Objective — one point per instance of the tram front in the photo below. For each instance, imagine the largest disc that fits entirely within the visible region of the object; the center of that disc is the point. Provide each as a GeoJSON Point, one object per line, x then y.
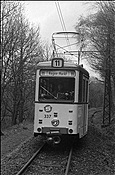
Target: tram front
{"type": "Point", "coordinates": [56, 93]}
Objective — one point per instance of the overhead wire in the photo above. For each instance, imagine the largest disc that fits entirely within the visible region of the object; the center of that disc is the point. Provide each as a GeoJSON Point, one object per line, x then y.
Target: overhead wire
{"type": "Point", "coordinates": [59, 16]}
{"type": "Point", "coordinates": [64, 27]}
{"type": "Point", "coordinates": [62, 21]}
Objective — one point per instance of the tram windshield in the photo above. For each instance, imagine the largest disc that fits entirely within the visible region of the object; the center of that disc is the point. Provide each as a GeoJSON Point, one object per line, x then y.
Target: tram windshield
{"type": "Point", "coordinates": [58, 89]}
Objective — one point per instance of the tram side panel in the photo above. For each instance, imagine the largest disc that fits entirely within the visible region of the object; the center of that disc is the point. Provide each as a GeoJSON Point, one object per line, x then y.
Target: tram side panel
{"type": "Point", "coordinates": [82, 114]}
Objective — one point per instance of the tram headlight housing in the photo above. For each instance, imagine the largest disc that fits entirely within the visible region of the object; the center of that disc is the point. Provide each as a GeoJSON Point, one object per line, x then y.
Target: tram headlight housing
{"type": "Point", "coordinates": [70, 131]}
{"type": "Point", "coordinates": [39, 129]}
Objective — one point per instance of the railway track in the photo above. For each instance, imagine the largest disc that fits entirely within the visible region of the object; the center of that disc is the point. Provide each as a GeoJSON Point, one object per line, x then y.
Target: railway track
{"type": "Point", "coordinates": [30, 160]}
{"type": "Point", "coordinates": [48, 165]}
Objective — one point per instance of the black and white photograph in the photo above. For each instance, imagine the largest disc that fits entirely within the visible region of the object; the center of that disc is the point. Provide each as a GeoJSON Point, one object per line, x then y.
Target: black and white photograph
{"type": "Point", "coordinates": [57, 70]}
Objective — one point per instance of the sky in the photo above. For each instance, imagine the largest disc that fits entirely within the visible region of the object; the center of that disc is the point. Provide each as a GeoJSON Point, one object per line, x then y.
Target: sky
{"type": "Point", "coordinates": [44, 14]}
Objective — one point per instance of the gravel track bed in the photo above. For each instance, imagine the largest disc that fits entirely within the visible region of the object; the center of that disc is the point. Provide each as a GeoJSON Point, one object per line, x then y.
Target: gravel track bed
{"type": "Point", "coordinates": [93, 156]}
{"type": "Point", "coordinates": [52, 160]}
{"type": "Point", "coordinates": [14, 161]}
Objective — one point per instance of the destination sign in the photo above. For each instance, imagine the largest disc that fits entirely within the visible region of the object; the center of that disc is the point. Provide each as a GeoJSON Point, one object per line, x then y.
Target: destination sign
{"type": "Point", "coordinates": [57, 73]}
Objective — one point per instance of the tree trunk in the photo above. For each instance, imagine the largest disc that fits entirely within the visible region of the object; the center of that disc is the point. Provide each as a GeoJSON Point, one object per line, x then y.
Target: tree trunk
{"type": "Point", "coordinates": [15, 113]}
{"type": "Point", "coordinates": [1, 133]}
{"type": "Point", "coordinates": [113, 90]}
{"type": "Point", "coordinates": [21, 111]}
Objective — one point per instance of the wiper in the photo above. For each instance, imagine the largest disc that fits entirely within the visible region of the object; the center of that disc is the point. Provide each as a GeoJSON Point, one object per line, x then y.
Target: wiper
{"type": "Point", "coordinates": [48, 92]}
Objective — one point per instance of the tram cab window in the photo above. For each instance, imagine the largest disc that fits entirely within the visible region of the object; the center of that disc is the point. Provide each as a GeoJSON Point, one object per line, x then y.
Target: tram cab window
{"type": "Point", "coordinates": [59, 89]}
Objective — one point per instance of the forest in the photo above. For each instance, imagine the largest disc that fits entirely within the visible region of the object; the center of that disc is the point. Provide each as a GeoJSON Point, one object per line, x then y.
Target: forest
{"type": "Point", "coordinates": [22, 49]}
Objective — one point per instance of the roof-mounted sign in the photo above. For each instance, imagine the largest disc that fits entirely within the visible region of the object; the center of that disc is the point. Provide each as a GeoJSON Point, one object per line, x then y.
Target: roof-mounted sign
{"type": "Point", "coordinates": [57, 62]}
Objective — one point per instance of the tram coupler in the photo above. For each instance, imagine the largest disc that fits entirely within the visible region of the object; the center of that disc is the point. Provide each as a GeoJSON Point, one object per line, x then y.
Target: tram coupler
{"type": "Point", "coordinates": [53, 139]}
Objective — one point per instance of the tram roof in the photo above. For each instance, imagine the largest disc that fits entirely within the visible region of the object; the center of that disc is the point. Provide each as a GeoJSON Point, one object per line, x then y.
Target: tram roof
{"type": "Point", "coordinates": [67, 65]}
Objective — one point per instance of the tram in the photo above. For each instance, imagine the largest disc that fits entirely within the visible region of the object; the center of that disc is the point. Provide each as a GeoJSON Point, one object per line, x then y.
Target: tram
{"type": "Point", "coordinates": [61, 100]}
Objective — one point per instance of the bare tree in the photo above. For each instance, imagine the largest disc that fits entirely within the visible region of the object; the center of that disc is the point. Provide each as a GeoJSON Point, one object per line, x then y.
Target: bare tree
{"type": "Point", "coordinates": [47, 51]}
{"type": "Point", "coordinates": [98, 32]}
{"type": "Point", "coordinates": [96, 89]}
{"type": "Point", "coordinates": [21, 51]}
{"type": "Point", "coordinates": [8, 41]}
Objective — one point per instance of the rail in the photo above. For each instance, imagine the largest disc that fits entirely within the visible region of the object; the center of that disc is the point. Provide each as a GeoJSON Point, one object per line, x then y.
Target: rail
{"type": "Point", "coordinates": [69, 160]}
{"type": "Point", "coordinates": [30, 160]}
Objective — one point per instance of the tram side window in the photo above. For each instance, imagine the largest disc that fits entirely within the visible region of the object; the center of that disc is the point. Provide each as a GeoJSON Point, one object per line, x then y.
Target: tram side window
{"type": "Point", "coordinates": [80, 87]}
{"type": "Point", "coordinates": [86, 90]}
{"type": "Point", "coordinates": [83, 89]}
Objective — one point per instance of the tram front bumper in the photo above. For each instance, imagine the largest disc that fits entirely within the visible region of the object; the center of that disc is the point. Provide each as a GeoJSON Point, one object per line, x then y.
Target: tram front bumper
{"type": "Point", "coordinates": [55, 131]}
